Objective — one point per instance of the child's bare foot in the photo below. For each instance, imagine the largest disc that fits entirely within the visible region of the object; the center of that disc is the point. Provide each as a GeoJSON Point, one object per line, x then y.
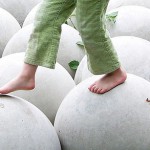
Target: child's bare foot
{"type": "Point", "coordinates": [108, 81]}
{"type": "Point", "coordinates": [24, 81]}
{"type": "Point", "coordinates": [18, 83]}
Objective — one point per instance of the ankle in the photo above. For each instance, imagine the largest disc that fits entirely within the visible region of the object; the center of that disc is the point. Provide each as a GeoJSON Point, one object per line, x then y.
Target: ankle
{"type": "Point", "coordinates": [28, 71]}
{"type": "Point", "coordinates": [28, 80]}
{"type": "Point", "coordinates": [119, 71]}
{"type": "Point", "coordinates": [26, 77]}
{"type": "Point", "coordinates": [119, 74]}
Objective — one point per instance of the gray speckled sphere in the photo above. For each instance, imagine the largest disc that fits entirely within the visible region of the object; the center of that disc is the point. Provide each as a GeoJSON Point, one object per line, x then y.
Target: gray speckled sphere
{"type": "Point", "coordinates": [19, 8]}
{"type": "Point", "coordinates": [30, 17]}
{"type": "Point", "coordinates": [131, 21]}
{"type": "Point", "coordinates": [116, 120]}
{"type": "Point", "coordinates": [13, 46]}
{"type": "Point", "coordinates": [52, 85]}
{"type": "Point", "coordinates": [72, 21]}
{"type": "Point", "coordinates": [8, 27]}
{"type": "Point", "coordinates": [133, 54]}
{"type": "Point", "coordinates": [117, 3]}
{"type": "Point", "coordinates": [24, 127]}
{"type": "Point", "coordinates": [68, 49]}
{"type": "Point", "coordinates": [82, 72]}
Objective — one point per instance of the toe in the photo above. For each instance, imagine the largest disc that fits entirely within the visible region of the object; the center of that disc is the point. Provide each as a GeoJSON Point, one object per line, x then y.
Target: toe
{"type": "Point", "coordinates": [92, 85]}
{"type": "Point", "coordinates": [98, 91]}
{"type": "Point", "coordinates": [103, 91]}
{"type": "Point", "coordinates": [92, 89]}
{"type": "Point", "coordinates": [95, 89]}
{"type": "Point", "coordinates": [3, 92]}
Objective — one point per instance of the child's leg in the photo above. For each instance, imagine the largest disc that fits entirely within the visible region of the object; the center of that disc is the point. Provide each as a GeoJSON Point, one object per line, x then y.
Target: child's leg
{"type": "Point", "coordinates": [43, 43]}
{"type": "Point", "coordinates": [101, 55]}
{"type": "Point", "coordinates": [44, 40]}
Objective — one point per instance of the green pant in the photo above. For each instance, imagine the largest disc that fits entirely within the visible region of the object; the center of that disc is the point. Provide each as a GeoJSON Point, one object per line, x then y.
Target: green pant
{"type": "Point", "coordinates": [44, 41]}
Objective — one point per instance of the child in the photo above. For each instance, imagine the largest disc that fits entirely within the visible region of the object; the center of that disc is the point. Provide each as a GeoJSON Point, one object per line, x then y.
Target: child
{"type": "Point", "coordinates": [44, 41]}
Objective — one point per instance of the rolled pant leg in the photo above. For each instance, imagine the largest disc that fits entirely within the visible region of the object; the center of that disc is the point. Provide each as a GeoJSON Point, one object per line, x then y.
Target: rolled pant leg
{"type": "Point", "coordinates": [101, 55]}
{"type": "Point", "coordinates": [44, 40]}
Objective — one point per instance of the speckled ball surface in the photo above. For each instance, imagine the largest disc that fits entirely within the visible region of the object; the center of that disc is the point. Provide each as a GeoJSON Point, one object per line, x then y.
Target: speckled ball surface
{"type": "Point", "coordinates": [24, 127]}
{"type": "Point", "coordinates": [116, 120]}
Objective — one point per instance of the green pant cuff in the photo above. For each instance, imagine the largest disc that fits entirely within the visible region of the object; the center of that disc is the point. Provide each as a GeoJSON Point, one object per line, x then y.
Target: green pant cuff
{"type": "Point", "coordinates": [108, 70]}
{"type": "Point", "coordinates": [39, 63]}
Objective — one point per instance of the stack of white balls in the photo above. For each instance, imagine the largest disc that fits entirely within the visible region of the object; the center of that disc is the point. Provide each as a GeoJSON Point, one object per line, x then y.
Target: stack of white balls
{"type": "Point", "coordinates": [23, 126]}
{"type": "Point", "coordinates": [68, 116]}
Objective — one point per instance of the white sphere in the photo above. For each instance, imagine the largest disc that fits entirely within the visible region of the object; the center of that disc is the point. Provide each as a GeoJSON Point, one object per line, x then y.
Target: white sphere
{"type": "Point", "coordinates": [72, 21]}
{"type": "Point", "coordinates": [30, 17]}
{"type": "Point", "coordinates": [24, 127]}
{"type": "Point", "coordinates": [52, 85]}
{"type": "Point", "coordinates": [118, 3]}
{"type": "Point", "coordinates": [8, 27]}
{"type": "Point", "coordinates": [82, 72]}
{"type": "Point", "coordinates": [68, 49]}
{"type": "Point", "coordinates": [131, 21]}
{"type": "Point", "coordinates": [116, 120]}
{"type": "Point", "coordinates": [133, 54]}
{"type": "Point", "coordinates": [18, 43]}
{"type": "Point", "coordinates": [19, 8]}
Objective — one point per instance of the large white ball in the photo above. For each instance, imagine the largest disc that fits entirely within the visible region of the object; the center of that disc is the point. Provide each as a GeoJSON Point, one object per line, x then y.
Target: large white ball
{"type": "Point", "coordinates": [118, 3]}
{"type": "Point", "coordinates": [18, 43]}
{"type": "Point", "coordinates": [131, 21]}
{"type": "Point", "coordinates": [52, 85]}
{"type": "Point", "coordinates": [82, 71]}
{"type": "Point", "coordinates": [72, 21]}
{"type": "Point", "coordinates": [24, 127]}
{"type": "Point", "coordinates": [8, 27]}
{"type": "Point", "coordinates": [116, 120]}
{"type": "Point", "coordinates": [68, 49]}
{"type": "Point", "coordinates": [19, 8]}
{"type": "Point", "coordinates": [133, 54]}
{"type": "Point", "coordinates": [30, 17]}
